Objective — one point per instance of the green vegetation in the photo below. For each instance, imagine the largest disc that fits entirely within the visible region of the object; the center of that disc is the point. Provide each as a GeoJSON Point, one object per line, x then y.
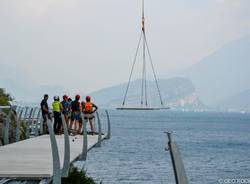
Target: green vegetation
{"type": "Point", "coordinates": [77, 177]}
{"type": "Point", "coordinates": [4, 97]}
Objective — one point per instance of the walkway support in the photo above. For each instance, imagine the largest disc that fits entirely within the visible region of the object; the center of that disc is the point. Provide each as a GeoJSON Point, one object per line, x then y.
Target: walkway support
{"type": "Point", "coordinates": [178, 166]}
{"type": "Point", "coordinates": [83, 155]}
{"type": "Point", "coordinates": [99, 130]}
{"type": "Point", "coordinates": [66, 162]}
{"type": "Point", "coordinates": [109, 126]}
{"type": "Point", "coordinates": [55, 154]}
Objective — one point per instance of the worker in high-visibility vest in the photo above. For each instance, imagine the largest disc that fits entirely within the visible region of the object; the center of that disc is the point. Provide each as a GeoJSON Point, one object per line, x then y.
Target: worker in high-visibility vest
{"type": "Point", "coordinates": [57, 109]}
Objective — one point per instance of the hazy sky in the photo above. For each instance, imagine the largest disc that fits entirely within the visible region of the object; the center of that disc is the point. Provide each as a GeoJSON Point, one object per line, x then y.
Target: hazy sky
{"type": "Point", "coordinates": [89, 45]}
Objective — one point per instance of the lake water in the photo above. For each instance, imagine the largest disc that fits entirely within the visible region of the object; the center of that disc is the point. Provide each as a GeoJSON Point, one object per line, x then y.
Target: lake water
{"type": "Point", "coordinates": [213, 146]}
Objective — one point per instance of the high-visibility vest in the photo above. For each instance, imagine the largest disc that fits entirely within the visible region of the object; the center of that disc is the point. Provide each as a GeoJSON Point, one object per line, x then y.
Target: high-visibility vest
{"type": "Point", "coordinates": [56, 106]}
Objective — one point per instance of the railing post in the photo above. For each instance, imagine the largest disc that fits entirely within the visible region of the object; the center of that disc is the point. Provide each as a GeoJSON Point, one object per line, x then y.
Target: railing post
{"type": "Point", "coordinates": [109, 125]}
{"type": "Point", "coordinates": [18, 125]}
{"type": "Point", "coordinates": [29, 123]}
{"type": "Point", "coordinates": [35, 121]}
{"type": "Point", "coordinates": [32, 120]}
{"type": "Point", "coordinates": [66, 162]}
{"type": "Point", "coordinates": [55, 154]}
{"type": "Point", "coordinates": [39, 119]}
{"type": "Point", "coordinates": [6, 129]}
{"type": "Point", "coordinates": [18, 108]}
{"type": "Point", "coordinates": [178, 166]}
{"type": "Point", "coordinates": [99, 130]}
{"type": "Point", "coordinates": [26, 112]}
{"type": "Point", "coordinates": [83, 155]}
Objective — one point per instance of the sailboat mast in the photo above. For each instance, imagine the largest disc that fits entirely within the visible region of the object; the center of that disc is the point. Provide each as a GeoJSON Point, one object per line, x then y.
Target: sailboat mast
{"type": "Point", "coordinates": [144, 80]}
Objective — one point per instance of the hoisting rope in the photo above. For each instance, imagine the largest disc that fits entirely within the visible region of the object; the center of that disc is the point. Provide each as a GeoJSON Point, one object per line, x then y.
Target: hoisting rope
{"type": "Point", "coordinates": [144, 80]}
{"type": "Point", "coordinates": [132, 69]}
{"type": "Point", "coordinates": [151, 62]}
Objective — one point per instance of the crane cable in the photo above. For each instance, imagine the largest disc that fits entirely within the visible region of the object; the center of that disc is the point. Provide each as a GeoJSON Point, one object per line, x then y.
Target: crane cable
{"type": "Point", "coordinates": [156, 81]}
{"type": "Point", "coordinates": [132, 69]}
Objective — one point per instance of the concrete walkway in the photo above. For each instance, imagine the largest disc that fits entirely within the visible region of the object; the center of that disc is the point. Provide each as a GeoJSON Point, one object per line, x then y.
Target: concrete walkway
{"type": "Point", "coordinates": [32, 158]}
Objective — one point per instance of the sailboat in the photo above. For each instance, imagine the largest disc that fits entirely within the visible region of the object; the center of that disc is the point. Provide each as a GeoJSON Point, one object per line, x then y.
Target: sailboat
{"type": "Point", "coordinates": [144, 105]}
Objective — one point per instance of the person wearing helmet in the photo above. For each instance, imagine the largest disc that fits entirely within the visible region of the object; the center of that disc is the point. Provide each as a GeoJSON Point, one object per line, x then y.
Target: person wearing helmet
{"type": "Point", "coordinates": [57, 108]}
{"type": "Point", "coordinates": [89, 109]}
{"type": "Point", "coordinates": [66, 108]}
{"type": "Point", "coordinates": [76, 115]}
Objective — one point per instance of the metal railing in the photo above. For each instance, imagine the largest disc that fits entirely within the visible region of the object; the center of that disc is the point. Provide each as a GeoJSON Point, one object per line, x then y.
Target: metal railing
{"type": "Point", "coordinates": [58, 172]}
{"type": "Point", "coordinates": [27, 118]}
{"type": "Point", "coordinates": [31, 118]}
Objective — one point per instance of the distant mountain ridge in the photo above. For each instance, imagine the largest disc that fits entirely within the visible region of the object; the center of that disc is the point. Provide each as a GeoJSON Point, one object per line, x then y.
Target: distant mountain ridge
{"type": "Point", "coordinates": [176, 92]}
{"type": "Point", "coordinates": [238, 102]}
{"type": "Point", "coordinates": [222, 74]}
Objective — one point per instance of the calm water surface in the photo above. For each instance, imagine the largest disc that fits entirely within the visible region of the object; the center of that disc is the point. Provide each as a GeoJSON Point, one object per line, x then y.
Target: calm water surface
{"type": "Point", "coordinates": [213, 146]}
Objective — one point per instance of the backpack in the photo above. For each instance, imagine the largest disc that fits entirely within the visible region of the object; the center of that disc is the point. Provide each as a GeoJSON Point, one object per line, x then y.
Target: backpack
{"type": "Point", "coordinates": [88, 107]}
{"type": "Point", "coordinates": [75, 105]}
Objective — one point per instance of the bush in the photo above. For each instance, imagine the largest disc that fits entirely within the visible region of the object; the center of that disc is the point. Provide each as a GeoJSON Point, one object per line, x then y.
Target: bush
{"type": "Point", "coordinates": [77, 177]}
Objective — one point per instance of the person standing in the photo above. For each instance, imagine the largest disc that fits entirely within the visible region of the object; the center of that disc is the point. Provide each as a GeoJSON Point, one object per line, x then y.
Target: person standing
{"type": "Point", "coordinates": [57, 109]}
{"type": "Point", "coordinates": [76, 115]}
{"type": "Point", "coordinates": [66, 109]}
{"type": "Point", "coordinates": [45, 112]}
{"type": "Point", "coordinates": [89, 109]}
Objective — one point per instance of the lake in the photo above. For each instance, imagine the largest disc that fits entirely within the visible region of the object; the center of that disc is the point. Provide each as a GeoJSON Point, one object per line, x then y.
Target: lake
{"type": "Point", "coordinates": [213, 146]}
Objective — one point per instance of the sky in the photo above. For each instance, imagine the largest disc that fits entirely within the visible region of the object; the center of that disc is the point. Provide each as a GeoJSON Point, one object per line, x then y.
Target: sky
{"type": "Point", "coordinates": [85, 45]}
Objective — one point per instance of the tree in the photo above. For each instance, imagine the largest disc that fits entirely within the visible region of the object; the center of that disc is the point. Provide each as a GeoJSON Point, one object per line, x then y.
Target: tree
{"type": "Point", "coordinates": [4, 97]}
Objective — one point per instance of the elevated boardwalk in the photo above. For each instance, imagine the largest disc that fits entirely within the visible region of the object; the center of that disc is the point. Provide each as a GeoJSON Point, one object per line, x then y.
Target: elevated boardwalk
{"type": "Point", "coordinates": [47, 157]}
{"type": "Point", "coordinates": [32, 158]}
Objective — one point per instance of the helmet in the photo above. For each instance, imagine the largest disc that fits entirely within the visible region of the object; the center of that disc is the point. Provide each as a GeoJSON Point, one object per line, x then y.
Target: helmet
{"type": "Point", "coordinates": [78, 97]}
{"type": "Point", "coordinates": [65, 97]}
{"type": "Point", "coordinates": [88, 98]}
{"type": "Point", "coordinates": [56, 98]}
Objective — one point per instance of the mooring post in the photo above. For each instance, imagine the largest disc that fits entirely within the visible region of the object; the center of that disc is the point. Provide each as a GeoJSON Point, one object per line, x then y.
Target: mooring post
{"type": "Point", "coordinates": [109, 125]}
{"type": "Point", "coordinates": [66, 162]}
{"type": "Point", "coordinates": [55, 154]}
{"type": "Point", "coordinates": [99, 130]}
{"type": "Point", "coordinates": [83, 155]}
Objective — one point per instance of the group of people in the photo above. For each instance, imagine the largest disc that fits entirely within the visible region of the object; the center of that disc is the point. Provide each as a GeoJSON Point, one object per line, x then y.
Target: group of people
{"type": "Point", "coordinates": [71, 110]}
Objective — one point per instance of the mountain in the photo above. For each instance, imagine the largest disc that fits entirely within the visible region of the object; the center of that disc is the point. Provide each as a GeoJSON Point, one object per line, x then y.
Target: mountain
{"type": "Point", "coordinates": [222, 74]}
{"type": "Point", "coordinates": [238, 102]}
{"type": "Point", "coordinates": [176, 92]}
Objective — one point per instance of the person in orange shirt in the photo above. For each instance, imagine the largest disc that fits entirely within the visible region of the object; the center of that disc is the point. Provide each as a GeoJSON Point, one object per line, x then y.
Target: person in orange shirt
{"type": "Point", "coordinates": [89, 109]}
